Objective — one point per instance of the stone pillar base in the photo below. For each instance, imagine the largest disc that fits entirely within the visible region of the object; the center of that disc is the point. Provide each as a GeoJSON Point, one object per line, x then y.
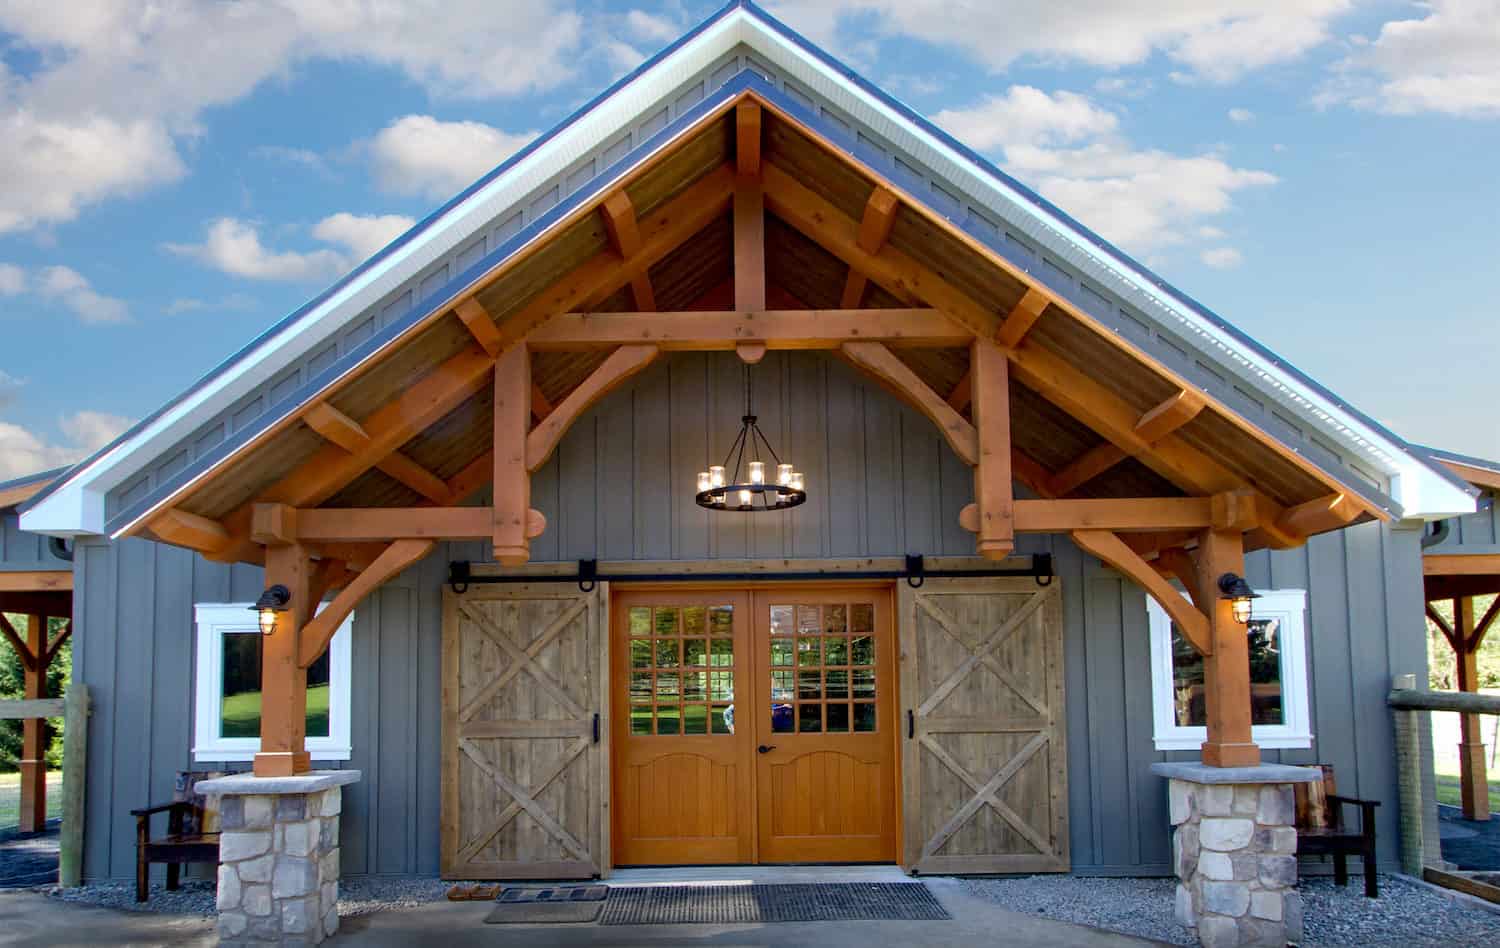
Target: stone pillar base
{"type": "Point", "coordinates": [1234, 848]}
{"type": "Point", "coordinates": [279, 856]}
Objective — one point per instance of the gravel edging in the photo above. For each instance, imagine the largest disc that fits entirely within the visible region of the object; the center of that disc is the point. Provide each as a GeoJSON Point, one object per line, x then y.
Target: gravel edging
{"type": "Point", "coordinates": [1406, 914]}
{"type": "Point", "coordinates": [356, 896]}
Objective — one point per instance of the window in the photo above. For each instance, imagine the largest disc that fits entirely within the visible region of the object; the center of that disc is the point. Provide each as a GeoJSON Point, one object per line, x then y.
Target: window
{"type": "Point", "coordinates": [1278, 676]}
{"type": "Point", "coordinates": [226, 719]}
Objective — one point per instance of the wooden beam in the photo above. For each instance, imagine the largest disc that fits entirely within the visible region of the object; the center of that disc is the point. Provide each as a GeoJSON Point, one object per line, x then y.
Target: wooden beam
{"type": "Point", "coordinates": [273, 524]}
{"type": "Point", "coordinates": [37, 580]}
{"type": "Point", "coordinates": [874, 230]}
{"type": "Point", "coordinates": [23, 650]}
{"type": "Point", "coordinates": [778, 329]}
{"type": "Point", "coordinates": [320, 629]}
{"type": "Point", "coordinates": [283, 711]}
{"type": "Point", "coordinates": [1461, 564]}
{"type": "Point", "coordinates": [181, 528]}
{"type": "Point", "coordinates": [1116, 515]}
{"type": "Point", "coordinates": [1169, 416]}
{"type": "Point", "coordinates": [1472, 779]}
{"type": "Point", "coordinates": [26, 602]}
{"type": "Point", "coordinates": [481, 326]}
{"type": "Point", "coordinates": [1084, 468]}
{"type": "Point", "coordinates": [512, 479]}
{"type": "Point", "coordinates": [1318, 516]}
{"type": "Point", "coordinates": [963, 392]}
{"type": "Point", "coordinates": [330, 574]}
{"type": "Point", "coordinates": [1151, 427]}
{"type": "Point", "coordinates": [1110, 549]}
{"type": "Point", "coordinates": [1226, 670]}
{"type": "Point", "coordinates": [1022, 317]}
{"type": "Point", "coordinates": [1030, 472]}
{"type": "Point", "coordinates": [747, 138]}
{"type": "Point", "coordinates": [613, 372]}
{"type": "Point", "coordinates": [343, 525]}
{"type": "Point", "coordinates": [993, 489]}
{"type": "Point", "coordinates": [749, 244]}
{"type": "Point", "coordinates": [348, 434]}
{"type": "Point", "coordinates": [878, 361]}
{"type": "Point", "coordinates": [541, 406]}
{"type": "Point", "coordinates": [624, 232]}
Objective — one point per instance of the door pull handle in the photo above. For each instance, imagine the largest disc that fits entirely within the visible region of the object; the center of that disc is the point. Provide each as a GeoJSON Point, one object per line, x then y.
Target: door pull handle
{"type": "Point", "coordinates": [596, 727]}
{"type": "Point", "coordinates": [911, 724]}
{"type": "Point", "coordinates": [765, 748]}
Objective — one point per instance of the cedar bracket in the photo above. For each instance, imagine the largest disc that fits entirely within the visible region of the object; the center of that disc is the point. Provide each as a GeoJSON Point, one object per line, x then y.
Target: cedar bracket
{"type": "Point", "coordinates": [1109, 548]}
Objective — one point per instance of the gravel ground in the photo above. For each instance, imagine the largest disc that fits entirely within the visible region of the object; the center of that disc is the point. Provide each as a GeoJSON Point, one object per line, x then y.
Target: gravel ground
{"type": "Point", "coordinates": [356, 896]}
{"type": "Point", "coordinates": [1406, 914]}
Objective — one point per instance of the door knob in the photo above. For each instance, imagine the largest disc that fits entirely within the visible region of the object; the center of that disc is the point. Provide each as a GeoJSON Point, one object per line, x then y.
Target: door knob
{"type": "Point", "coordinates": [766, 748]}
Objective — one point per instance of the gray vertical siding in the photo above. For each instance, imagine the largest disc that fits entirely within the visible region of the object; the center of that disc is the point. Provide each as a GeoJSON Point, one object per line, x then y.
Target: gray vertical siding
{"type": "Point", "coordinates": [24, 551]}
{"type": "Point", "coordinates": [882, 483]}
{"type": "Point", "coordinates": [1478, 532]}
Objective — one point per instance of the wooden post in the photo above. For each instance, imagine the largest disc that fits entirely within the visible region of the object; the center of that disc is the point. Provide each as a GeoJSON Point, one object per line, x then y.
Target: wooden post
{"type": "Point", "coordinates": [283, 680]}
{"type": "Point", "coordinates": [990, 374]}
{"type": "Point", "coordinates": [1473, 778]}
{"type": "Point", "coordinates": [75, 759]}
{"type": "Point", "coordinates": [512, 480]}
{"type": "Point", "coordinates": [1226, 670]}
{"type": "Point", "coordinates": [33, 762]}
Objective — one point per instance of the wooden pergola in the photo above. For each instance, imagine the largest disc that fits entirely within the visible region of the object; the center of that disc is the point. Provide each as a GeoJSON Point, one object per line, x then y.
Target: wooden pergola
{"type": "Point", "coordinates": [752, 233]}
{"type": "Point", "coordinates": [39, 595]}
{"type": "Point", "coordinates": [1458, 578]}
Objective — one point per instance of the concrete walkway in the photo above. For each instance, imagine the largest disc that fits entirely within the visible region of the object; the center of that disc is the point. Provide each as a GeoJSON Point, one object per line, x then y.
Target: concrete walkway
{"type": "Point", "coordinates": [28, 919]}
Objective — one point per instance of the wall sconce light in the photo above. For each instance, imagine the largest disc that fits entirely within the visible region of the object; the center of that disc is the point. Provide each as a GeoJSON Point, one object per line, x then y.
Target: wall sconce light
{"type": "Point", "coordinates": [1233, 587]}
{"type": "Point", "coordinates": [272, 601]}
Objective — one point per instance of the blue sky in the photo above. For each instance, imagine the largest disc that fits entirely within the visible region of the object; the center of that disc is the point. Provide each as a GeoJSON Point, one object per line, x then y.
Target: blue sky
{"type": "Point", "coordinates": [176, 177]}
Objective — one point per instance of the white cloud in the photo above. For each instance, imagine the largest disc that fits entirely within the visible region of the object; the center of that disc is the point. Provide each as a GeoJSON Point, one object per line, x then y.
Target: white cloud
{"type": "Point", "coordinates": [233, 246]}
{"type": "Point", "coordinates": [12, 279]}
{"type": "Point", "coordinates": [649, 26]}
{"type": "Point", "coordinates": [10, 388]}
{"type": "Point", "coordinates": [120, 86]}
{"type": "Point", "coordinates": [24, 452]}
{"type": "Point", "coordinates": [1216, 40]}
{"type": "Point", "coordinates": [1447, 62]}
{"type": "Point", "coordinates": [1222, 258]}
{"type": "Point", "coordinates": [362, 235]}
{"type": "Point", "coordinates": [72, 289]}
{"type": "Point", "coordinates": [1072, 151]}
{"type": "Point", "coordinates": [1241, 115]}
{"type": "Point", "coordinates": [420, 155]}
{"type": "Point", "coordinates": [233, 302]}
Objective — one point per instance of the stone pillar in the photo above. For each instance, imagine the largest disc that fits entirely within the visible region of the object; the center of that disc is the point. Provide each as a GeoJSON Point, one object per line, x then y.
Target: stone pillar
{"type": "Point", "coordinates": [1234, 848]}
{"type": "Point", "coordinates": [279, 856]}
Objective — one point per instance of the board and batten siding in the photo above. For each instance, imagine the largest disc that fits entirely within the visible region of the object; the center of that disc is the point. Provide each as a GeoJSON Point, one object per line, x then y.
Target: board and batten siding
{"type": "Point", "coordinates": [22, 551]}
{"type": "Point", "coordinates": [881, 482]}
{"type": "Point", "coordinates": [1478, 532]}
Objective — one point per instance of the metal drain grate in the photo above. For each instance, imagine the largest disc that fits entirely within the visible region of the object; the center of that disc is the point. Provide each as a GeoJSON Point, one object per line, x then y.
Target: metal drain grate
{"type": "Point", "coordinates": [742, 904]}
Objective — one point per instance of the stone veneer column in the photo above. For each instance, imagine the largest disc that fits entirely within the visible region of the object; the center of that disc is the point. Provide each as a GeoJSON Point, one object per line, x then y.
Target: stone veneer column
{"type": "Point", "coordinates": [279, 856]}
{"type": "Point", "coordinates": [1234, 848]}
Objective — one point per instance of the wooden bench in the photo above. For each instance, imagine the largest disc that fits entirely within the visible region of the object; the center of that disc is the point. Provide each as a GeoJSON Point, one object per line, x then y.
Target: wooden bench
{"type": "Point", "coordinates": [1321, 830]}
{"type": "Point", "coordinates": [192, 833]}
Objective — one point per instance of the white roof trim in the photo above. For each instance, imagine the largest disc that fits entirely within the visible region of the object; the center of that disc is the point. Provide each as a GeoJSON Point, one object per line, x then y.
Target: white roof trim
{"type": "Point", "coordinates": [77, 507]}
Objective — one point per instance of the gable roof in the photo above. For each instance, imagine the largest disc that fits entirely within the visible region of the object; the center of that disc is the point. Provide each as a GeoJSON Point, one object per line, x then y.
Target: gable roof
{"type": "Point", "coordinates": [1477, 471]}
{"type": "Point", "coordinates": [534, 194]}
{"type": "Point", "coordinates": [17, 491]}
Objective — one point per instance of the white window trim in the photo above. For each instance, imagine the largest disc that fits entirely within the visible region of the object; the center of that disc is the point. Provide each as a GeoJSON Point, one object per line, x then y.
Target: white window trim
{"type": "Point", "coordinates": [1288, 605]}
{"type": "Point", "coordinates": [215, 619]}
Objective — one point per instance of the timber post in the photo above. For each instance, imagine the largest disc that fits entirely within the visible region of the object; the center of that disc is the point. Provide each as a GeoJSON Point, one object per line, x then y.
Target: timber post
{"type": "Point", "coordinates": [1473, 778]}
{"type": "Point", "coordinates": [75, 761]}
{"type": "Point", "coordinates": [33, 762]}
{"type": "Point", "coordinates": [1226, 669]}
{"type": "Point", "coordinates": [283, 720]}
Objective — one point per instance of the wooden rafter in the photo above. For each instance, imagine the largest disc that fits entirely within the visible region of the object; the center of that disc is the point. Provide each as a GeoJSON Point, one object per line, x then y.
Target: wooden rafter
{"type": "Point", "coordinates": [776, 329]}
{"type": "Point", "coordinates": [320, 629]}
{"type": "Point", "coordinates": [481, 326]}
{"type": "Point", "coordinates": [337, 427]}
{"type": "Point", "coordinates": [613, 372]}
{"type": "Point", "coordinates": [1151, 427]}
{"type": "Point", "coordinates": [896, 376]}
{"type": "Point", "coordinates": [181, 528]}
{"type": "Point", "coordinates": [1318, 516]}
{"type": "Point", "coordinates": [874, 230]}
{"type": "Point", "coordinates": [747, 138]}
{"type": "Point", "coordinates": [541, 406]}
{"type": "Point", "coordinates": [962, 393]}
{"type": "Point", "coordinates": [1022, 317]}
{"type": "Point", "coordinates": [625, 237]}
{"type": "Point", "coordinates": [1029, 471]}
{"type": "Point", "coordinates": [1109, 548]}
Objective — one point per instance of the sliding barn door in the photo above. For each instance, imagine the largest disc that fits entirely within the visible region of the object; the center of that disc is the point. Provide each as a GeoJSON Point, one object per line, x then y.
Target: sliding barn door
{"type": "Point", "coordinates": [984, 760]}
{"type": "Point", "coordinates": [525, 766]}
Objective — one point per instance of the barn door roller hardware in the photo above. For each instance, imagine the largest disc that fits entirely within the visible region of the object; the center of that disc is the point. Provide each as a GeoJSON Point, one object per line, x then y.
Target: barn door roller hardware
{"type": "Point", "coordinates": [461, 575]}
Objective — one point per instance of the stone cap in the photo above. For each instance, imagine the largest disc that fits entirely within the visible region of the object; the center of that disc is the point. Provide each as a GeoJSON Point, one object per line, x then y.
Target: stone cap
{"type": "Point", "coordinates": [312, 782]}
{"type": "Point", "coordinates": [1194, 772]}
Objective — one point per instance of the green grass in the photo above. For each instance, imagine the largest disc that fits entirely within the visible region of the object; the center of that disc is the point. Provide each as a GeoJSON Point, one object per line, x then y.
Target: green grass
{"type": "Point", "coordinates": [10, 798]}
{"type": "Point", "coordinates": [241, 713]}
{"type": "Point", "coordinates": [1448, 789]}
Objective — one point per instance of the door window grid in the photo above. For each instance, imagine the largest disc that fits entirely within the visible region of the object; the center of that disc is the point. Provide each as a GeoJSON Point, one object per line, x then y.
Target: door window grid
{"type": "Point", "coordinates": [681, 670]}
{"type": "Point", "coordinates": [822, 668]}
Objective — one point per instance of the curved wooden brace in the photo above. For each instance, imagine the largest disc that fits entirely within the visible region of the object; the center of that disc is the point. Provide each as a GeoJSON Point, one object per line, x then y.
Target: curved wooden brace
{"type": "Point", "coordinates": [614, 371]}
{"type": "Point", "coordinates": [875, 359]}
{"type": "Point", "coordinates": [1112, 550]}
{"type": "Point", "coordinates": [319, 630]}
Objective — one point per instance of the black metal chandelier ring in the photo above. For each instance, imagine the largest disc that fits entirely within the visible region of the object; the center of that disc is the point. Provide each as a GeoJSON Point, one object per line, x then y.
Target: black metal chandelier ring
{"type": "Point", "coordinates": [722, 487]}
{"type": "Point", "coordinates": [732, 497]}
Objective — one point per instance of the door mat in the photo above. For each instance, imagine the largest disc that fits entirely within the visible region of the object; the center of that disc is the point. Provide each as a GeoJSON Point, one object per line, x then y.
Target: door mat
{"type": "Point", "coordinates": [542, 913]}
{"type": "Point", "coordinates": [750, 904]}
{"type": "Point", "coordinates": [555, 893]}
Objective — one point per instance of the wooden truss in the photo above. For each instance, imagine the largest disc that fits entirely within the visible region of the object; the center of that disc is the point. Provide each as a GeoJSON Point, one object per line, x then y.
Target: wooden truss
{"type": "Point", "coordinates": [1191, 539]}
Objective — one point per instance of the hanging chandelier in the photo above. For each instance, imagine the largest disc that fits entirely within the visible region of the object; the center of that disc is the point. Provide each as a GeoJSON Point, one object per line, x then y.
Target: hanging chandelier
{"type": "Point", "coordinates": [719, 489]}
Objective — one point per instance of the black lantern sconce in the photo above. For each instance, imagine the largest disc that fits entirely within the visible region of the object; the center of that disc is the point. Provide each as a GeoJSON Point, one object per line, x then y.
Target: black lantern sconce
{"type": "Point", "coordinates": [272, 601]}
{"type": "Point", "coordinates": [1232, 586]}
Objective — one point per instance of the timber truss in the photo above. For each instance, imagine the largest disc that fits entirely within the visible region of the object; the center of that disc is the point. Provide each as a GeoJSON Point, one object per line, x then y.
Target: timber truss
{"type": "Point", "coordinates": [1192, 537]}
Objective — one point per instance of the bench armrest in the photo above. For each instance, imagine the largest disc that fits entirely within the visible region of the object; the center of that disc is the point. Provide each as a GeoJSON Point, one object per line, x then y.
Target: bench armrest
{"type": "Point", "coordinates": [161, 808]}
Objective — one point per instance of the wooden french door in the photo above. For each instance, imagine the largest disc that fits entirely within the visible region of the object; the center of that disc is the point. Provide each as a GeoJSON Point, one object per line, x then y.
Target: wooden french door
{"type": "Point", "coordinates": [753, 726]}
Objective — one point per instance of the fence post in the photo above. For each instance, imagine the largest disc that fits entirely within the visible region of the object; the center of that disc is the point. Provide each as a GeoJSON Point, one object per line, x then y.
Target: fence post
{"type": "Point", "coordinates": [75, 755]}
{"type": "Point", "coordinates": [1409, 777]}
